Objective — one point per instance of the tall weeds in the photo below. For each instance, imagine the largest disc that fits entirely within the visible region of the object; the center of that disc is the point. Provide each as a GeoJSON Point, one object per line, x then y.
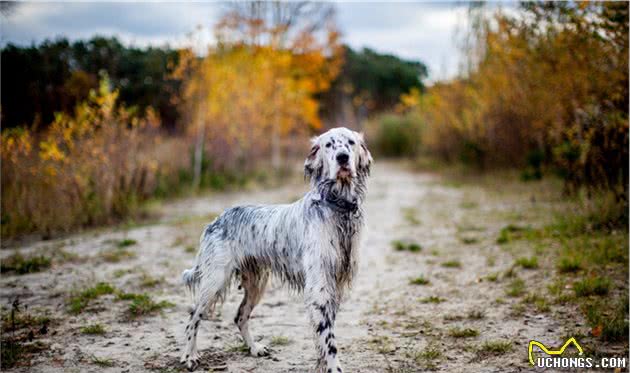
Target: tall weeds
{"type": "Point", "coordinates": [92, 167]}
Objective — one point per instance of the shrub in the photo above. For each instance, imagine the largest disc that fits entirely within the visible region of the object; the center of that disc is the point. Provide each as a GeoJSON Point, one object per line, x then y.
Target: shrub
{"type": "Point", "coordinates": [98, 163]}
{"type": "Point", "coordinates": [396, 135]}
{"type": "Point", "coordinates": [500, 114]}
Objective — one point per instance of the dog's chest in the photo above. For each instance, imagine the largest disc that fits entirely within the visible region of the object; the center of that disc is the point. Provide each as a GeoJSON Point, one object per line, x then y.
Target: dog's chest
{"type": "Point", "coordinates": [347, 231]}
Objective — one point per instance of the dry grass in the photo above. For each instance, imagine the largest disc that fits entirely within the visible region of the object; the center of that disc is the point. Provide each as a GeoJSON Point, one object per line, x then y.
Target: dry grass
{"type": "Point", "coordinates": [99, 164]}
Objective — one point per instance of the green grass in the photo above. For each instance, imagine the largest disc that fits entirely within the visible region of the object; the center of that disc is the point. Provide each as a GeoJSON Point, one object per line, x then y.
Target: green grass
{"type": "Point", "coordinates": [452, 264]}
{"type": "Point", "coordinates": [461, 228]}
{"type": "Point", "coordinates": [569, 265]}
{"type": "Point", "coordinates": [517, 309]}
{"type": "Point", "coordinates": [557, 290]}
{"type": "Point", "coordinates": [492, 277]}
{"type": "Point", "coordinates": [509, 273]}
{"type": "Point", "coordinates": [491, 261]}
{"type": "Point", "coordinates": [22, 265]}
{"type": "Point", "coordinates": [592, 286]}
{"type": "Point", "coordinates": [126, 242]}
{"type": "Point", "coordinates": [593, 248]}
{"type": "Point", "coordinates": [421, 280]}
{"type": "Point", "coordinates": [527, 263]}
{"type": "Point", "coordinates": [406, 246]}
{"type": "Point", "coordinates": [121, 272]}
{"type": "Point", "coordinates": [457, 332]}
{"type": "Point", "coordinates": [432, 299]}
{"type": "Point", "coordinates": [102, 362]}
{"type": "Point", "coordinates": [280, 340]}
{"type": "Point", "coordinates": [468, 240]}
{"type": "Point", "coordinates": [512, 232]}
{"type": "Point", "coordinates": [430, 353]}
{"type": "Point", "coordinates": [538, 301]}
{"type": "Point", "coordinates": [22, 320]}
{"type": "Point", "coordinates": [117, 255]}
{"type": "Point", "coordinates": [476, 314]}
{"type": "Point", "coordinates": [20, 330]}
{"type": "Point", "coordinates": [515, 288]}
{"type": "Point", "coordinates": [142, 304]}
{"type": "Point", "coordinates": [15, 351]}
{"type": "Point", "coordinates": [468, 205]}
{"type": "Point", "coordinates": [494, 348]}
{"type": "Point", "coordinates": [610, 321]}
{"type": "Point", "coordinates": [409, 214]}
{"type": "Point", "coordinates": [94, 329]}
{"type": "Point", "coordinates": [428, 357]}
{"type": "Point", "coordinates": [146, 281]}
{"type": "Point", "coordinates": [79, 301]}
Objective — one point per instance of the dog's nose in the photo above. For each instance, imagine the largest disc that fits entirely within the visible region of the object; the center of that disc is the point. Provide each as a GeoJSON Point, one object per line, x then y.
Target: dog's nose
{"type": "Point", "coordinates": [342, 158]}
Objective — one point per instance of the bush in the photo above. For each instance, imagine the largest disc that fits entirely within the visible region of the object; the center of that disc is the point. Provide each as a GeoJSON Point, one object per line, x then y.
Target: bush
{"type": "Point", "coordinates": [546, 89]}
{"type": "Point", "coordinates": [99, 164]}
{"type": "Point", "coordinates": [396, 135]}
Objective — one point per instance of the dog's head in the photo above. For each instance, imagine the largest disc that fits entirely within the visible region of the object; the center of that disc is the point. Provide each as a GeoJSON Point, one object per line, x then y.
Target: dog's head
{"type": "Point", "coordinates": [339, 155]}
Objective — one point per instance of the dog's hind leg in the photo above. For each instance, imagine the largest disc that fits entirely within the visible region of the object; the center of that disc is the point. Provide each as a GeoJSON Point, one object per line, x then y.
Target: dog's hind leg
{"type": "Point", "coordinates": [212, 283]}
{"type": "Point", "coordinates": [254, 285]}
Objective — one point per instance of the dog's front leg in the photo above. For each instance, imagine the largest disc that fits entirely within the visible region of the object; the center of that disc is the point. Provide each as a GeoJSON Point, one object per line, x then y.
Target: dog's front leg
{"type": "Point", "coordinates": [322, 305]}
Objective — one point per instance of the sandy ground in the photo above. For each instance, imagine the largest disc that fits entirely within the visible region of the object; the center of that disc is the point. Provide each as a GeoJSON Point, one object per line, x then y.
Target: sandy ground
{"type": "Point", "coordinates": [386, 324]}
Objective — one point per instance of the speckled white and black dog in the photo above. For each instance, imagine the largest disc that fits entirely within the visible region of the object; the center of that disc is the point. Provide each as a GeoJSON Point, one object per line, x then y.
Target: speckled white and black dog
{"type": "Point", "coordinates": [311, 245]}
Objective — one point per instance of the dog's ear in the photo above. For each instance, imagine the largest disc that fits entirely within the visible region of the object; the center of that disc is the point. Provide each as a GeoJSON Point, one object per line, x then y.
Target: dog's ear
{"type": "Point", "coordinates": [365, 158]}
{"type": "Point", "coordinates": [313, 165]}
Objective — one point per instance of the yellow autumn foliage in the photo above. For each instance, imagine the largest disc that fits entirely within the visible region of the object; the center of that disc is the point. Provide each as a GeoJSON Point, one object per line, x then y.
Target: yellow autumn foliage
{"type": "Point", "coordinates": [249, 101]}
{"type": "Point", "coordinates": [87, 168]}
{"type": "Point", "coordinates": [548, 93]}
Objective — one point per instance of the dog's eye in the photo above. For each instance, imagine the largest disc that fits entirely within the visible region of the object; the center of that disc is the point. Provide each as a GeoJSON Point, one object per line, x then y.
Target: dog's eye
{"type": "Point", "coordinates": [328, 145]}
{"type": "Point", "coordinates": [351, 142]}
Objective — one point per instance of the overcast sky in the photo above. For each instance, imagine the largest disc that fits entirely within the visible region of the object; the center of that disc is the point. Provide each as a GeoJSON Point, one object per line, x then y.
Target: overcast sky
{"type": "Point", "coordinates": [420, 31]}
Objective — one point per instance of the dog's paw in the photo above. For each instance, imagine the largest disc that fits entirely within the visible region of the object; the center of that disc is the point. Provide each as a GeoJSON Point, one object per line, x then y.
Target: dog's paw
{"type": "Point", "coordinates": [338, 369]}
{"type": "Point", "coordinates": [191, 362]}
{"type": "Point", "coordinates": [335, 368]}
{"type": "Point", "coordinates": [259, 350]}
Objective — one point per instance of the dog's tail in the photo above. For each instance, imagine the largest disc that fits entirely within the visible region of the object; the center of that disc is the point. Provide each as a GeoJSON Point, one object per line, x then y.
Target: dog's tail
{"type": "Point", "coordinates": [191, 280]}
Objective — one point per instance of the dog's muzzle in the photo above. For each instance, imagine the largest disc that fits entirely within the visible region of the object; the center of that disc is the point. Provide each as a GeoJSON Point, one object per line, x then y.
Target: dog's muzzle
{"type": "Point", "coordinates": [344, 172]}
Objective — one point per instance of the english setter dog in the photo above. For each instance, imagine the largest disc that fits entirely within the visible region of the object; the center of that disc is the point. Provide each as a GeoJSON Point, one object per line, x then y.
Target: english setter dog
{"type": "Point", "coordinates": [311, 245]}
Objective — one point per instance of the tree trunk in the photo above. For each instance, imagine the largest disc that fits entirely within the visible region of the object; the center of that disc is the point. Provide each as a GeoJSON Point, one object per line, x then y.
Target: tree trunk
{"type": "Point", "coordinates": [201, 135]}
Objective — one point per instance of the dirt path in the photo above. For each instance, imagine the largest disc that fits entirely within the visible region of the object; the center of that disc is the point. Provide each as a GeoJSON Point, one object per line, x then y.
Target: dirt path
{"type": "Point", "coordinates": [387, 324]}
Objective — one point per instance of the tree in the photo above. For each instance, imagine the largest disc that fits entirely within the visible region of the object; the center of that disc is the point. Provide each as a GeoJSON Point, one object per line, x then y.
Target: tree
{"type": "Point", "coordinates": [370, 82]}
{"type": "Point", "coordinates": [258, 85]}
{"type": "Point", "coordinates": [547, 88]}
{"type": "Point", "coordinates": [56, 75]}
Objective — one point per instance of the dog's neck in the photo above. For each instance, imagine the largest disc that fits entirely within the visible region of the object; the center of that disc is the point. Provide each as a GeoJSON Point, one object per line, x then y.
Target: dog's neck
{"type": "Point", "coordinates": [340, 196]}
